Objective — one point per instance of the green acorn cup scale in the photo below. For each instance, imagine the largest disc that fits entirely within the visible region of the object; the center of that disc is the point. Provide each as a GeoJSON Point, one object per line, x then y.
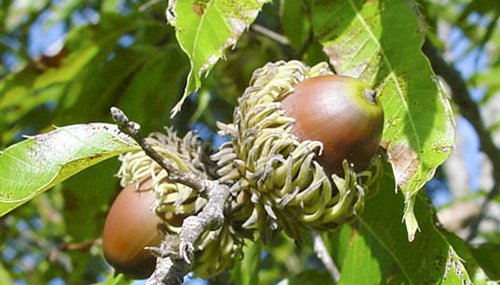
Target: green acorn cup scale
{"type": "Point", "coordinates": [150, 207]}
{"type": "Point", "coordinates": [302, 140]}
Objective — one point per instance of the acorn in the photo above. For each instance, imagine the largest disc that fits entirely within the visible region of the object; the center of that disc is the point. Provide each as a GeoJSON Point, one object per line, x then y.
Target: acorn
{"type": "Point", "coordinates": [130, 227]}
{"type": "Point", "coordinates": [289, 148]}
{"type": "Point", "coordinates": [342, 113]}
{"type": "Point", "coordinates": [151, 209]}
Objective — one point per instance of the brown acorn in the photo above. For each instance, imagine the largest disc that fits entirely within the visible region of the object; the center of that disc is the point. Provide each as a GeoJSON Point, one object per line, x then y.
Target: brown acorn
{"type": "Point", "coordinates": [342, 113]}
{"type": "Point", "coordinates": [132, 225]}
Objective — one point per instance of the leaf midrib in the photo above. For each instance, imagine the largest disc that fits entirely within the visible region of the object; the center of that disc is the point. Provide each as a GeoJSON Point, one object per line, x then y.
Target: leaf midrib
{"type": "Point", "coordinates": [391, 75]}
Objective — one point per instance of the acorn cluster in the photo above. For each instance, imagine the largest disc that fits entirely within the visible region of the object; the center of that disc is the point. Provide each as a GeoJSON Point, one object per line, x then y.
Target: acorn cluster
{"type": "Point", "coordinates": [150, 208]}
{"type": "Point", "coordinates": [302, 155]}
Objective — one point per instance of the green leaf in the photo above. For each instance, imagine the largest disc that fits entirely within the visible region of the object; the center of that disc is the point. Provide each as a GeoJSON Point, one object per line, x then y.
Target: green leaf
{"type": "Point", "coordinates": [487, 79]}
{"type": "Point", "coordinates": [155, 88]}
{"type": "Point", "coordinates": [81, 46]}
{"type": "Point", "coordinates": [110, 6]}
{"type": "Point", "coordinates": [488, 257]}
{"type": "Point", "coordinates": [115, 279]}
{"type": "Point", "coordinates": [205, 28]}
{"type": "Point", "coordinates": [311, 276]}
{"type": "Point", "coordinates": [455, 272]}
{"type": "Point", "coordinates": [87, 197]}
{"type": "Point", "coordinates": [246, 271]}
{"type": "Point", "coordinates": [462, 249]}
{"type": "Point", "coordinates": [380, 43]}
{"type": "Point", "coordinates": [34, 165]}
{"type": "Point", "coordinates": [5, 277]}
{"type": "Point", "coordinates": [105, 80]}
{"type": "Point", "coordinates": [295, 22]}
{"type": "Point", "coordinates": [378, 242]}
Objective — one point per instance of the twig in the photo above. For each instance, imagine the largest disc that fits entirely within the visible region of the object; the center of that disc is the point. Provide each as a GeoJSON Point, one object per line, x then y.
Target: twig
{"type": "Point", "coordinates": [269, 33]}
{"type": "Point", "coordinates": [148, 4]}
{"type": "Point", "coordinates": [133, 129]}
{"type": "Point", "coordinates": [171, 266]}
{"type": "Point", "coordinates": [323, 255]}
{"type": "Point", "coordinates": [474, 227]}
{"type": "Point", "coordinates": [470, 111]}
{"type": "Point", "coordinates": [168, 272]}
{"type": "Point", "coordinates": [78, 246]}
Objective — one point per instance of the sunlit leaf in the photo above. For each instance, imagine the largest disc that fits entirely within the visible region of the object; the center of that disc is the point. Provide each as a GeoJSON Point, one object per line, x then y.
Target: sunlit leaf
{"type": "Point", "coordinates": [19, 12]}
{"type": "Point", "coordinates": [363, 40]}
{"type": "Point", "coordinates": [32, 166]}
{"type": "Point", "coordinates": [204, 29]}
{"type": "Point", "coordinates": [5, 277]}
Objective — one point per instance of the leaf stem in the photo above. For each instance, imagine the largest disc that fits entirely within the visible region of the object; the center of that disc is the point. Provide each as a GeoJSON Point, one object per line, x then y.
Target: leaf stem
{"type": "Point", "coordinates": [269, 33]}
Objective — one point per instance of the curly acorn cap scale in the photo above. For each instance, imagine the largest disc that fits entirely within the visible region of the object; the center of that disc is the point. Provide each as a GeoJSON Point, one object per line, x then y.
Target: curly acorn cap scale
{"type": "Point", "coordinates": [342, 113]}
{"type": "Point", "coordinates": [302, 143]}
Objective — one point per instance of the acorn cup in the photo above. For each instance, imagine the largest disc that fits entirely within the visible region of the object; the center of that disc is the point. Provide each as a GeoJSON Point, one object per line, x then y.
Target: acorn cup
{"type": "Point", "coordinates": [151, 208]}
{"type": "Point", "coordinates": [303, 144]}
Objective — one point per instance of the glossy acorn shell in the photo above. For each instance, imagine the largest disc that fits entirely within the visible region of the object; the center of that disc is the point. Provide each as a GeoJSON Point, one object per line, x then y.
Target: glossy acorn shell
{"type": "Point", "coordinates": [341, 112]}
{"type": "Point", "coordinates": [131, 226]}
